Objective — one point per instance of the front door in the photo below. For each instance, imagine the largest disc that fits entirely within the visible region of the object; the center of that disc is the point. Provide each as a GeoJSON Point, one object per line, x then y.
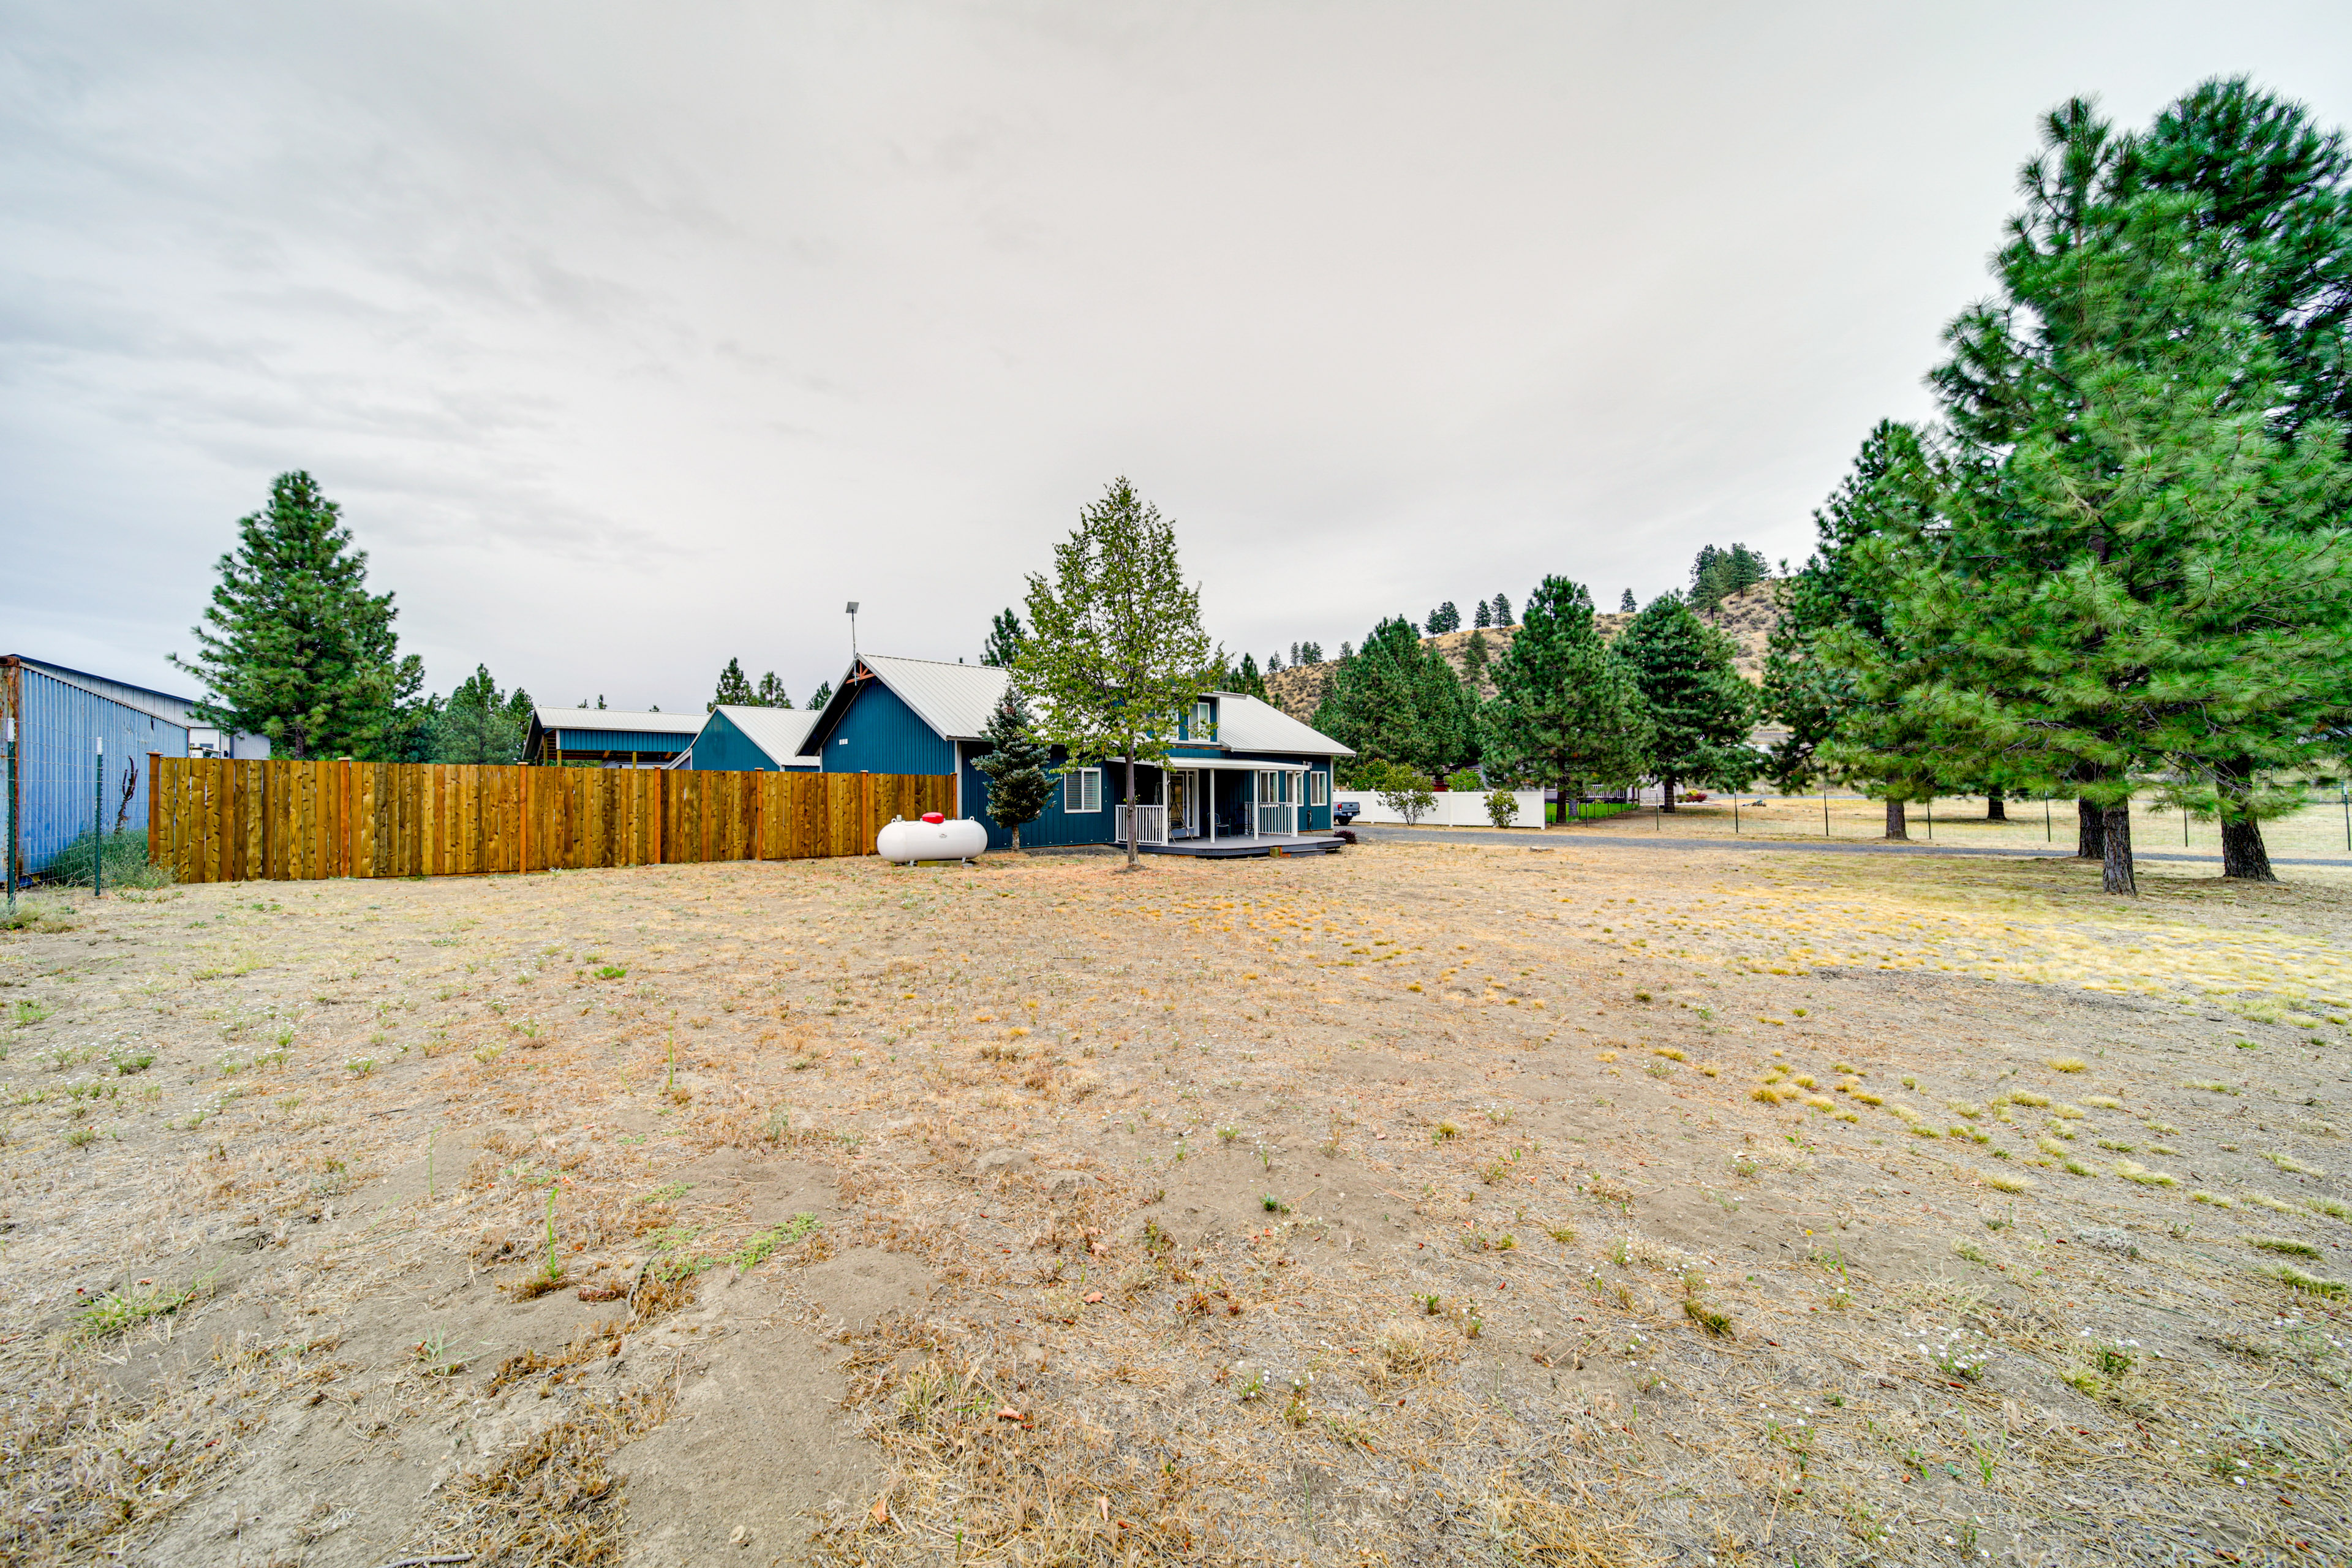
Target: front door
{"type": "Point", "coordinates": [1183, 795]}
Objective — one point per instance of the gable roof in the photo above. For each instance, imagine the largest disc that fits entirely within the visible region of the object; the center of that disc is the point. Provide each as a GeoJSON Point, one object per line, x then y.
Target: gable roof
{"type": "Point", "coordinates": [625, 720]}
{"type": "Point", "coordinates": [1247, 724]}
{"type": "Point", "coordinates": [956, 699]}
{"type": "Point", "coordinates": [778, 732]}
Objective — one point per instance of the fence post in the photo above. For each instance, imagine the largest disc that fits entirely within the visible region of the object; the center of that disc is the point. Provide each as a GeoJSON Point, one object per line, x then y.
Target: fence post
{"type": "Point", "coordinates": [154, 798]}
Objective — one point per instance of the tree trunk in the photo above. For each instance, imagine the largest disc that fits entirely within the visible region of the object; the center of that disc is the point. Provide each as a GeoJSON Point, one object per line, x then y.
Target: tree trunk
{"type": "Point", "coordinates": [1131, 835]}
{"type": "Point", "coordinates": [2114, 839]}
{"type": "Point", "coordinates": [1666, 794]}
{"type": "Point", "coordinates": [2243, 856]}
{"type": "Point", "coordinates": [1996, 808]}
{"type": "Point", "coordinates": [2090, 832]}
{"type": "Point", "coordinates": [1897, 826]}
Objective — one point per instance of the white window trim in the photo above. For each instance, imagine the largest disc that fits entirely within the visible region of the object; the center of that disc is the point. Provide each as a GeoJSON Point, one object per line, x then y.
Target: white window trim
{"type": "Point", "coordinates": [1088, 783]}
{"type": "Point", "coordinates": [1318, 789]}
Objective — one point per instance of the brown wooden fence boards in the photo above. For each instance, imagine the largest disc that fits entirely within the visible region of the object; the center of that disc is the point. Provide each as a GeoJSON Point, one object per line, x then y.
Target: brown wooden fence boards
{"type": "Point", "coordinates": [217, 820]}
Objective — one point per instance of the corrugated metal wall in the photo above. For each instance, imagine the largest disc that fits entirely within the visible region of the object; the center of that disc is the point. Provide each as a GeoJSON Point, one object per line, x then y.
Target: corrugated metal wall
{"type": "Point", "coordinates": [723, 748]}
{"type": "Point", "coordinates": [878, 733]}
{"type": "Point", "coordinates": [57, 756]}
{"type": "Point", "coordinates": [664, 743]}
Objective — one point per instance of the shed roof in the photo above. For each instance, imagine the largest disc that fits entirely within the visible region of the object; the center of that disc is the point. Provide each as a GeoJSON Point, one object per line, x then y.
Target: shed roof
{"type": "Point", "coordinates": [164, 705]}
{"type": "Point", "coordinates": [620, 719]}
{"type": "Point", "coordinates": [778, 732]}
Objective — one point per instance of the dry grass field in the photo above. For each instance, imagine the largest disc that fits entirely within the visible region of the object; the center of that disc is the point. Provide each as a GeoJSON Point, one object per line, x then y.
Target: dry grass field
{"type": "Point", "coordinates": [1427, 1203]}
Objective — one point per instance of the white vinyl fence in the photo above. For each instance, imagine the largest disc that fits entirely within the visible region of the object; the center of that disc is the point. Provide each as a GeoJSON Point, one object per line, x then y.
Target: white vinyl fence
{"type": "Point", "coordinates": [1454, 808]}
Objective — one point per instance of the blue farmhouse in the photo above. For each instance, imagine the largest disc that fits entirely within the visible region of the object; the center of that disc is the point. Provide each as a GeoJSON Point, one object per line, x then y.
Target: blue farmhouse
{"type": "Point", "coordinates": [1244, 778]}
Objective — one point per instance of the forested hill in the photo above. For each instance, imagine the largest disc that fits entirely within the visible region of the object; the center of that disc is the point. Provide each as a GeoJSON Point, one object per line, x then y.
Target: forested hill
{"type": "Point", "coordinates": [1747, 617]}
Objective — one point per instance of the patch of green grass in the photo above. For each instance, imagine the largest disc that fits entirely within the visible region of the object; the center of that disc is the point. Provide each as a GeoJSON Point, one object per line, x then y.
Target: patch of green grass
{"type": "Point", "coordinates": [2310, 1284]}
{"type": "Point", "coordinates": [119, 1311]}
{"type": "Point", "coordinates": [2284, 1245]}
{"type": "Point", "coordinates": [761, 1248]}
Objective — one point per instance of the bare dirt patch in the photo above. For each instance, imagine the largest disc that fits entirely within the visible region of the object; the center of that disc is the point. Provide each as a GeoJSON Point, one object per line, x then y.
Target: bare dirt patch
{"type": "Point", "coordinates": [1427, 1203]}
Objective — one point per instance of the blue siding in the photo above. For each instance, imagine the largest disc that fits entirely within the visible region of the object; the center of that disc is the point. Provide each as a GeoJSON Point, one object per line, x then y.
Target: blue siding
{"type": "Point", "coordinates": [1054, 826]}
{"type": "Point", "coordinates": [723, 748]}
{"type": "Point", "coordinates": [621, 740]}
{"type": "Point", "coordinates": [57, 763]}
{"type": "Point", "coordinates": [876, 733]}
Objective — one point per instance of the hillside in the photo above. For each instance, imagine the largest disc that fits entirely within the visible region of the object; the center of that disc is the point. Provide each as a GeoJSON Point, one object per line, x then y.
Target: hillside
{"type": "Point", "coordinates": [1747, 617]}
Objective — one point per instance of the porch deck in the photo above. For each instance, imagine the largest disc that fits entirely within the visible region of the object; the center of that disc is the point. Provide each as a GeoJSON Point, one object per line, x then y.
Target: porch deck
{"type": "Point", "coordinates": [1231, 848]}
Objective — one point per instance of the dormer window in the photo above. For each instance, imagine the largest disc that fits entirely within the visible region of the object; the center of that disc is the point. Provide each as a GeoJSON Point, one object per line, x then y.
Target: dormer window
{"type": "Point", "coordinates": [1205, 719]}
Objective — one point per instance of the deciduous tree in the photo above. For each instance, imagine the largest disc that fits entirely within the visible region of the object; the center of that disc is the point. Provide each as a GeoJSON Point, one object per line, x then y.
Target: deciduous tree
{"type": "Point", "coordinates": [1115, 654]}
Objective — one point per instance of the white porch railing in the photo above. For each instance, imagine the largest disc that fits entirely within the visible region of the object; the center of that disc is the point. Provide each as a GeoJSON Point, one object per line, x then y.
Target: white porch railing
{"type": "Point", "coordinates": [1278, 821]}
{"type": "Point", "coordinates": [1152, 821]}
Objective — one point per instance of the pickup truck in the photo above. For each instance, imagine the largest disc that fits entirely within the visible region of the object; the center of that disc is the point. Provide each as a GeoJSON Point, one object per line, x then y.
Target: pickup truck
{"type": "Point", "coordinates": [1344, 812]}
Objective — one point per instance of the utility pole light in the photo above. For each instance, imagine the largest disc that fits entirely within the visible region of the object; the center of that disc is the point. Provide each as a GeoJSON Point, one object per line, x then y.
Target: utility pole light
{"type": "Point", "coordinates": [853, 629]}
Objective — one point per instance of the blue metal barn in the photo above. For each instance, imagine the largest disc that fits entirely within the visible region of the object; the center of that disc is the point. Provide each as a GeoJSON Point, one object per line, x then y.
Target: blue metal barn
{"type": "Point", "coordinates": [61, 716]}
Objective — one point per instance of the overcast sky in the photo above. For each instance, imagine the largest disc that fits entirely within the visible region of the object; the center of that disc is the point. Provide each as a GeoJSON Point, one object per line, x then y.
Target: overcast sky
{"type": "Point", "coordinates": [634, 337]}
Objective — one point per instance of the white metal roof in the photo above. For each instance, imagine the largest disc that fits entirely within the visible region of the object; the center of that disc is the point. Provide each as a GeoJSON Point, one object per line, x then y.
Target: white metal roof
{"type": "Point", "coordinates": [1247, 724]}
{"type": "Point", "coordinates": [955, 699]}
{"type": "Point", "coordinates": [778, 732]}
{"type": "Point", "coordinates": [625, 719]}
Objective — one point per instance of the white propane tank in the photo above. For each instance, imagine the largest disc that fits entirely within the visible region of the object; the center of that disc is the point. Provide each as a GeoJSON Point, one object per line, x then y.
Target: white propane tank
{"type": "Point", "coordinates": [934, 838]}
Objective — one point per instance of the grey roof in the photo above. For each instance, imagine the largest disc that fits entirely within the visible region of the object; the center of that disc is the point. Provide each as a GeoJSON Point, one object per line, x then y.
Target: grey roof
{"type": "Point", "coordinates": [955, 699]}
{"type": "Point", "coordinates": [778, 732]}
{"type": "Point", "coordinates": [621, 718]}
{"type": "Point", "coordinates": [1247, 724]}
{"type": "Point", "coordinates": [163, 705]}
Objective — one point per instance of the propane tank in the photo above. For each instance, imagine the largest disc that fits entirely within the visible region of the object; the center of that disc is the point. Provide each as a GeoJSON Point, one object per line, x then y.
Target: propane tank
{"type": "Point", "coordinates": [932, 838]}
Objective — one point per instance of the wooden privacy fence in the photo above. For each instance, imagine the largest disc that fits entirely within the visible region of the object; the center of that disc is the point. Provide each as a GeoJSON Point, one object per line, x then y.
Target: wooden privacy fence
{"type": "Point", "coordinates": [218, 820]}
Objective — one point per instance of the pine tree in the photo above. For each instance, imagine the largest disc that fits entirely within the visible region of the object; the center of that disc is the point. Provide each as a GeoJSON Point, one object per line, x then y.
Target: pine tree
{"type": "Point", "coordinates": [2146, 572]}
{"type": "Point", "coordinates": [1248, 681]}
{"type": "Point", "coordinates": [1274, 661]}
{"type": "Point", "coordinates": [1566, 708]}
{"type": "Point", "coordinates": [1014, 765]}
{"type": "Point", "coordinates": [1698, 703]}
{"type": "Point", "coordinates": [1484, 616]}
{"type": "Point", "coordinates": [770, 693]}
{"type": "Point", "coordinates": [820, 696]}
{"type": "Point", "coordinates": [1503, 611]}
{"type": "Point", "coordinates": [1625, 605]}
{"type": "Point", "coordinates": [1309, 653]}
{"type": "Point", "coordinates": [1005, 638]}
{"type": "Point", "coordinates": [1396, 701]}
{"type": "Point", "coordinates": [1443, 619]}
{"type": "Point", "coordinates": [734, 688]}
{"type": "Point", "coordinates": [479, 723]}
{"type": "Point", "coordinates": [1116, 655]}
{"type": "Point", "coordinates": [1475, 658]}
{"type": "Point", "coordinates": [1346, 652]}
{"type": "Point", "coordinates": [1838, 674]}
{"type": "Point", "coordinates": [294, 646]}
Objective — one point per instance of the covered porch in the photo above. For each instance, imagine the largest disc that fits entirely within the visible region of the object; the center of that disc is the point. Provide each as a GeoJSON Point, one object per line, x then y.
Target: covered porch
{"type": "Point", "coordinates": [1217, 805]}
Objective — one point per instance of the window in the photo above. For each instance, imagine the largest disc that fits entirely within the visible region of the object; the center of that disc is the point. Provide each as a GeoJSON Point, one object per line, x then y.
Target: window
{"type": "Point", "coordinates": [1318, 789]}
{"type": "Point", "coordinates": [1082, 790]}
{"type": "Point", "coordinates": [1269, 788]}
{"type": "Point", "coordinates": [1205, 720]}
